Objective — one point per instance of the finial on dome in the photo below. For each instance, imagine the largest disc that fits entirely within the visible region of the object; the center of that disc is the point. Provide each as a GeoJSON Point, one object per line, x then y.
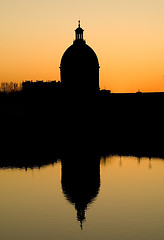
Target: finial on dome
{"type": "Point", "coordinates": [79, 24]}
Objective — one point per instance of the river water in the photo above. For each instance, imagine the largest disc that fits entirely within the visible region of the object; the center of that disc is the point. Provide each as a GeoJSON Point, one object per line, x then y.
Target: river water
{"type": "Point", "coordinates": [117, 198]}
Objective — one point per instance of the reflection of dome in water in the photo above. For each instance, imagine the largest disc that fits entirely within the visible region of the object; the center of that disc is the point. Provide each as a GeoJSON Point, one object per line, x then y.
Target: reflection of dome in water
{"type": "Point", "coordinates": [80, 183]}
{"type": "Point", "coordinates": [79, 66]}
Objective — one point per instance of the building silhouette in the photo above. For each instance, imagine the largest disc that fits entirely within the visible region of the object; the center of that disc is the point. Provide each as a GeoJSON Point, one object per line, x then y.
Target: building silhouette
{"type": "Point", "coordinates": [80, 180]}
{"type": "Point", "coordinates": [79, 67]}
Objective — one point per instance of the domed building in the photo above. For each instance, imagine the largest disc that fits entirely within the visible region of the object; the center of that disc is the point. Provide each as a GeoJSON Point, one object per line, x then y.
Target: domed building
{"type": "Point", "coordinates": [80, 179]}
{"type": "Point", "coordinates": [79, 67]}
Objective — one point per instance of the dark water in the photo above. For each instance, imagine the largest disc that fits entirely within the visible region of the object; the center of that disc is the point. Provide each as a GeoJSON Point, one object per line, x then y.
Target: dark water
{"type": "Point", "coordinates": [121, 198]}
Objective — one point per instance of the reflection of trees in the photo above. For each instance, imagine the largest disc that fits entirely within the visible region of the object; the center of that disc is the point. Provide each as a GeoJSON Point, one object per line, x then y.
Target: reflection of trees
{"type": "Point", "coordinates": [25, 164]}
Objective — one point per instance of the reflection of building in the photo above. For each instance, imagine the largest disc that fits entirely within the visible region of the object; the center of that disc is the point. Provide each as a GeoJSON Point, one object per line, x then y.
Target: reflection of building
{"type": "Point", "coordinates": [80, 181]}
{"type": "Point", "coordinates": [80, 67]}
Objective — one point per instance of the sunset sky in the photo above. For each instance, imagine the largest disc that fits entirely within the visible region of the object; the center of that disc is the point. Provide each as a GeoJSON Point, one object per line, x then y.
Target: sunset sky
{"type": "Point", "coordinates": [127, 36]}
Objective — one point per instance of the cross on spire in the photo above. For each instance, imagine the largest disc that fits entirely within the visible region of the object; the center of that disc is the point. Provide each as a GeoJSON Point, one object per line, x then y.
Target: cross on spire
{"type": "Point", "coordinates": [79, 24]}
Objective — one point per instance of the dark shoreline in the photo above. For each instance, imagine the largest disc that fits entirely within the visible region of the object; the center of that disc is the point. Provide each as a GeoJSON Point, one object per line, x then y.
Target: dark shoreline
{"type": "Point", "coordinates": [47, 126]}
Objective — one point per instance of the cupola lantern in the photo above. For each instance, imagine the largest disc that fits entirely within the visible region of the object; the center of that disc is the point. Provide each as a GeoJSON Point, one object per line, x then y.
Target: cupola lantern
{"type": "Point", "coordinates": [79, 32]}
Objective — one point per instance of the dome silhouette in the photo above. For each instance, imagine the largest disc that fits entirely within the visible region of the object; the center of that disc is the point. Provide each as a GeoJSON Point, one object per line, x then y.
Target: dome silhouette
{"type": "Point", "coordinates": [80, 67]}
{"type": "Point", "coordinates": [80, 181]}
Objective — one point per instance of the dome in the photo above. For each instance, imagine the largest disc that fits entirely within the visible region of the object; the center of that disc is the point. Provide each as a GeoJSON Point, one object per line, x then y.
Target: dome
{"type": "Point", "coordinates": [81, 181]}
{"type": "Point", "coordinates": [80, 66]}
{"type": "Point", "coordinates": [79, 54]}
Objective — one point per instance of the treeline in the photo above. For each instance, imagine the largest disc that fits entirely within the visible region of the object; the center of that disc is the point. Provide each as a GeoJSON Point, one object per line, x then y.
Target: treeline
{"type": "Point", "coordinates": [8, 87]}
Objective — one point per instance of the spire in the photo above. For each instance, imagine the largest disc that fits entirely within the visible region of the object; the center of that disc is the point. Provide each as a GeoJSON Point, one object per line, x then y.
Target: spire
{"type": "Point", "coordinates": [79, 32]}
{"type": "Point", "coordinates": [81, 225]}
{"type": "Point", "coordinates": [81, 216]}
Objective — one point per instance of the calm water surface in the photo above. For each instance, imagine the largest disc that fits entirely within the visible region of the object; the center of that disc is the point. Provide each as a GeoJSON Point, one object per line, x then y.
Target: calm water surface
{"type": "Point", "coordinates": [124, 199]}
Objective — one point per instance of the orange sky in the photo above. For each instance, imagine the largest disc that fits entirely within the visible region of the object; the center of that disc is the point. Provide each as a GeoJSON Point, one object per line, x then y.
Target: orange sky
{"type": "Point", "coordinates": [127, 36]}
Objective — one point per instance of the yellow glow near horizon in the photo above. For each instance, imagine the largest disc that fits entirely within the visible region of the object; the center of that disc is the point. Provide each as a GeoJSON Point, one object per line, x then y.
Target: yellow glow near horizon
{"type": "Point", "coordinates": [127, 36]}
